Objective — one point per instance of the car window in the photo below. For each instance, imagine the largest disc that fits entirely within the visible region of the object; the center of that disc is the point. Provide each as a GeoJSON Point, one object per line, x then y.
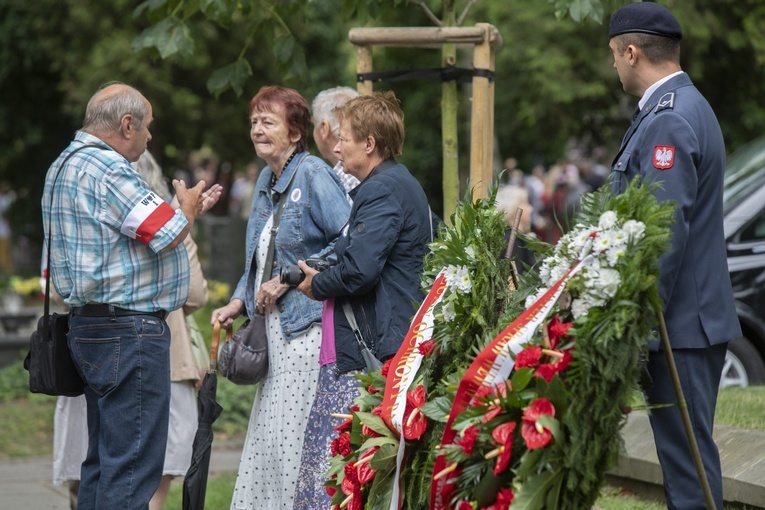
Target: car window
{"type": "Point", "coordinates": [755, 231]}
{"type": "Point", "coordinates": [744, 173]}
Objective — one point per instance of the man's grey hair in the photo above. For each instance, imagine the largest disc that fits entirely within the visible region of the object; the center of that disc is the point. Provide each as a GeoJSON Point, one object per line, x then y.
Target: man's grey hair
{"type": "Point", "coordinates": [326, 101]}
{"type": "Point", "coordinates": [105, 111]}
{"type": "Point", "coordinates": [151, 172]}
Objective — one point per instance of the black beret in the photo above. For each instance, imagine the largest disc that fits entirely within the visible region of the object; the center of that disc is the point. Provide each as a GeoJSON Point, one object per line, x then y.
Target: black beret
{"type": "Point", "coordinates": [646, 18]}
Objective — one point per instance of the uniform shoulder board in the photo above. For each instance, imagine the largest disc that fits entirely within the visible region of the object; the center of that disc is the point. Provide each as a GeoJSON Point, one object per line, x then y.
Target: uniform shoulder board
{"type": "Point", "coordinates": [667, 102]}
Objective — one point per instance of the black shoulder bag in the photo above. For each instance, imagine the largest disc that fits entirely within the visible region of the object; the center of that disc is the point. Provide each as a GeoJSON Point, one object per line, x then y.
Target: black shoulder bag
{"type": "Point", "coordinates": [49, 361]}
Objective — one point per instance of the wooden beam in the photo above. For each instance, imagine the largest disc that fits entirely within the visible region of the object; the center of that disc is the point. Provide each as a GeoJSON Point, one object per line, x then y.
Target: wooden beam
{"type": "Point", "coordinates": [422, 36]}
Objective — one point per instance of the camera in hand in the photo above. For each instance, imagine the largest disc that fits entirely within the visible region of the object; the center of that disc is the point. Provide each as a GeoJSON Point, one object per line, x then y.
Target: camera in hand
{"type": "Point", "coordinates": [292, 275]}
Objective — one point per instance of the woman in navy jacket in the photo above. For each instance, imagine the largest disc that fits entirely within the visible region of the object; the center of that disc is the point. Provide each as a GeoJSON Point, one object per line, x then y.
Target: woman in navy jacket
{"type": "Point", "coordinates": [380, 254]}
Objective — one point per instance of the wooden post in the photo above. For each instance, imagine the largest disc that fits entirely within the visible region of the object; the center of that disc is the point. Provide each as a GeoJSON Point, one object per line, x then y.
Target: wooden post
{"type": "Point", "coordinates": [486, 40]}
{"type": "Point", "coordinates": [364, 65]}
{"type": "Point", "coordinates": [482, 121]}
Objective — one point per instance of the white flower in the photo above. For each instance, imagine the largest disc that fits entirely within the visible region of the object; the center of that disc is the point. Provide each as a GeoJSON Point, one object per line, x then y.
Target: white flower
{"type": "Point", "coordinates": [579, 308]}
{"type": "Point", "coordinates": [447, 309]}
{"type": "Point", "coordinates": [614, 253]}
{"type": "Point", "coordinates": [462, 282]}
{"type": "Point", "coordinates": [607, 283]}
{"type": "Point", "coordinates": [470, 252]}
{"type": "Point", "coordinates": [450, 274]}
{"type": "Point", "coordinates": [635, 230]}
{"type": "Point", "coordinates": [602, 241]}
{"type": "Point", "coordinates": [607, 220]}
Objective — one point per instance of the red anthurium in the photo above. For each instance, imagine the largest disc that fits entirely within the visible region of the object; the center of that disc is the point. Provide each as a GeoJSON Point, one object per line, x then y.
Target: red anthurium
{"type": "Point", "coordinates": [467, 441]}
{"type": "Point", "coordinates": [415, 422]}
{"type": "Point", "coordinates": [364, 472]}
{"type": "Point", "coordinates": [330, 490]}
{"type": "Point", "coordinates": [557, 329]}
{"type": "Point", "coordinates": [548, 370]}
{"type": "Point", "coordinates": [504, 498]}
{"type": "Point", "coordinates": [495, 406]}
{"type": "Point", "coordinates": [426, 347]}
{"type": "Point", "coordinates": [464, 505]}
{"type": "Point", "coordinates": [346, 425]}
{"type": "Point", "coordinates": [503, 436]}
{"type": "Point", "coordinates": [535, 435]}
{"type": "Point", "coordinates": [528, 357]}
{"type": "Point", "coordinates": [377, 411]}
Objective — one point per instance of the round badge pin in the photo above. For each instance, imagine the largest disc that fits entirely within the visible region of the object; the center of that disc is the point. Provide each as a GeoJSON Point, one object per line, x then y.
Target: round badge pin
{"type": "Point", "coordinates": [296, 194]}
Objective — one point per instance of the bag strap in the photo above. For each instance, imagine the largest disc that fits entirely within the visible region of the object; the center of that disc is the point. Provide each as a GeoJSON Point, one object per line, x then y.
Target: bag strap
{"type": "Point", "coordinates": [50, 231]}
{"type": "Point", "coordinates": [351, 318]}
{"type": "Point", "coordinates": [275, 228]}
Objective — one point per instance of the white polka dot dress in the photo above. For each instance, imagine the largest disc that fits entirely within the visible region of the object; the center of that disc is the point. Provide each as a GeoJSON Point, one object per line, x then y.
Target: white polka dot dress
{"type": "Point", "coordinates": [270, 463]}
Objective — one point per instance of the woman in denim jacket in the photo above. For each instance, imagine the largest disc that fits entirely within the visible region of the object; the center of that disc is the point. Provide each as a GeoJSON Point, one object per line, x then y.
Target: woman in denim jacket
{"type": "Point", "coordinates": [315, 210]}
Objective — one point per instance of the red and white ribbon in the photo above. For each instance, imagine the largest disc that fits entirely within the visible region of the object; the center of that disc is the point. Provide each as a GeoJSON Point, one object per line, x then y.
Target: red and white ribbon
{"type": "Point", "coordinates": [402, 371]}
{"type": "Point", "coordinates": [490, 367]}
{"type": "Point", "coordinates": [146, 218]}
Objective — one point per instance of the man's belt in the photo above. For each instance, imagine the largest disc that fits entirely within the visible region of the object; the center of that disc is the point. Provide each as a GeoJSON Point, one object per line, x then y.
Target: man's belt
{"type": "Point", "coordinates": [104, 310]}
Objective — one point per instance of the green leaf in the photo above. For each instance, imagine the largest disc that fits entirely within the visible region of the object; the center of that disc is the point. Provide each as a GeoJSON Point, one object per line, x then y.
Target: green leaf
{"type": "Point", "coordinates": [233, 75]}
{"type": "Point", "coordinates": [375, 423]}
{"type": "Point", "coordinates": [521, 378]}
{"type": "Point", "coordinates": [377, 441]}
{"type": "Point", "coordinates": [438, 409]}
{"type": "Point", "coordinates": [533, 492]}
{"type": "Point", "coordinates": [384, 458]}
{"type": "Point", "coordinates": [169, 36]}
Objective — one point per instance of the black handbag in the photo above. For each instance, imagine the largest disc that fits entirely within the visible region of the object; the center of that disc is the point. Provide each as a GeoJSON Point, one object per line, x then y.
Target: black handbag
{"type": "Point", "coordinates": [243, 359]}
{"type": "Point", "coordinates": [49, 361]}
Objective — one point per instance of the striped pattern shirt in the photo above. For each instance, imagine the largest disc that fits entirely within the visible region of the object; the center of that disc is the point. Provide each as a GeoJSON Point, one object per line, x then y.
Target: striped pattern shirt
{"type": "Point", "coordinates": [108, 233]}
{"type": "Point", "coordinates": [349, 182]}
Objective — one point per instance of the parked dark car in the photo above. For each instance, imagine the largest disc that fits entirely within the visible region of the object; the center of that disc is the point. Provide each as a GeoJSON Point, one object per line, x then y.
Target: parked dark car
{"type": "Point", "coordinates": [744, 208]}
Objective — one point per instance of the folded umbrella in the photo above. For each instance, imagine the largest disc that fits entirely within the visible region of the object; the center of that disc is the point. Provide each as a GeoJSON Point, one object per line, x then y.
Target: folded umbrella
{"type": "Point", "coordinates": [195, 481]}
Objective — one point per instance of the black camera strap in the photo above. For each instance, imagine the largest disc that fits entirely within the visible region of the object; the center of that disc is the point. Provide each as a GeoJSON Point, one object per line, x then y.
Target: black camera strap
{"type": "Point", "coordinates": [269, 266]}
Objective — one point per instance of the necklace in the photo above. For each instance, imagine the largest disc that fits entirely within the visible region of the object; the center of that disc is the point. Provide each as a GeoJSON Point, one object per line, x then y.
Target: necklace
{"type": "Point", "coordinates": [274, 177]}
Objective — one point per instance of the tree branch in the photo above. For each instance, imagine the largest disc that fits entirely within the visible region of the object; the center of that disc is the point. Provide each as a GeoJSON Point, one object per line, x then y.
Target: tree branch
{"type": "Point", "coordinates": [464, 12]}
{"type": "Point", "coordinates": [428, 12]}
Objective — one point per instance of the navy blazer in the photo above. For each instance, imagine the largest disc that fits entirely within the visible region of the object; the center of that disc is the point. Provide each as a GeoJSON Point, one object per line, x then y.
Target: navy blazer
{"type": "Point", "coordinates": [676, 140]}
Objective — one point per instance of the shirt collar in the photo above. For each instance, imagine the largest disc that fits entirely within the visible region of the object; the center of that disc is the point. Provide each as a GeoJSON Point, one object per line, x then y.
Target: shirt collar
{"type": "Point", "coordinates": [650, 90]}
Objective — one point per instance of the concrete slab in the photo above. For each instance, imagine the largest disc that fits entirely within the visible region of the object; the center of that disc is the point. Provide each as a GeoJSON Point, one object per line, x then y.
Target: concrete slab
{"type": "Point", "coordinates": [742, 455]}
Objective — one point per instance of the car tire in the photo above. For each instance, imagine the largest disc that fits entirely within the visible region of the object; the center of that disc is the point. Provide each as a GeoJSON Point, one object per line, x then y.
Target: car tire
{"type": "Point", "coordinates": [743, 365]}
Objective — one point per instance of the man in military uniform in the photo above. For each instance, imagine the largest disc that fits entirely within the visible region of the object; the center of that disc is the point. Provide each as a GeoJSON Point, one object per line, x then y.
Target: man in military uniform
{"type": "Point", "coordinates": [675, 140]}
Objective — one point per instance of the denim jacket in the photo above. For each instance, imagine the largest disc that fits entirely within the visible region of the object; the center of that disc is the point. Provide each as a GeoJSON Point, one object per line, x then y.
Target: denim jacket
{"type": "Point", "coordinates": [314, 212]}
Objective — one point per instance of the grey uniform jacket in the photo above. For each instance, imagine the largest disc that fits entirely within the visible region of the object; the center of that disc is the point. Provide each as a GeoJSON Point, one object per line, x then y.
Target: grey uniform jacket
{"type": "Point", "coordinates": [676, 140]}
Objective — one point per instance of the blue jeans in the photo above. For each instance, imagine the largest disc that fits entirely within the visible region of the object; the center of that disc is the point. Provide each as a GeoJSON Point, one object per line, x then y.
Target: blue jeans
{"type": "Point", "coordinates": [125, 362]}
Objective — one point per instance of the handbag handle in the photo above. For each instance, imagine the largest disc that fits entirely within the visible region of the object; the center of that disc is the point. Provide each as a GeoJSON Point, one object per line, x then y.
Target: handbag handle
{"type": "Point", "coordinates": [214, 345]}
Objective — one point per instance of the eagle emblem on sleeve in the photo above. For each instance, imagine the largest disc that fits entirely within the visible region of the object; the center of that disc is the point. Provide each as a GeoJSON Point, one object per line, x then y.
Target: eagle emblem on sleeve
{"type": "Point", "coordinates": [663, 156]}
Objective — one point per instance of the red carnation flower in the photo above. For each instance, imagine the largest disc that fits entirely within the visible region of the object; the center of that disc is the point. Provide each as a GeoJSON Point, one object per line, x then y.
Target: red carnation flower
{"type": "Point", "coordinates": [528, 357]}
{"type": "Point", "coordinates": [343, 445]}
{"type": "Point", "coordinates": [415, 422]}
{"type": "Point", "coordinates": [467, 441]}
{"type": "Point", "coordinates": [426, 347]}
{"type": "Point", "coordinates": [535, 435]}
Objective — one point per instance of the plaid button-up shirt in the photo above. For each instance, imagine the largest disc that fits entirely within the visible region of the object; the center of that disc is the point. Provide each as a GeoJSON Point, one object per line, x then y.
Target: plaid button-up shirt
{"type": "Point", "coordinates": [108, 233]}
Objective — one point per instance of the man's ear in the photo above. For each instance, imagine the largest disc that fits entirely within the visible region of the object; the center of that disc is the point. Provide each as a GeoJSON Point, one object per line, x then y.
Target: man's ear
{"type": "Point", "coordinates": [126, 126]}
{"type": "Point", "coordinates": [324, 129]}
{"type": "Point", "coordinates": [632, 54]}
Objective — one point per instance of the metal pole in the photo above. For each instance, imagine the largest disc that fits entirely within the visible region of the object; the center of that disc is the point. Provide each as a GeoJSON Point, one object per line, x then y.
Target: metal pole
{"type": "Point", "coordinates": [683, 406]}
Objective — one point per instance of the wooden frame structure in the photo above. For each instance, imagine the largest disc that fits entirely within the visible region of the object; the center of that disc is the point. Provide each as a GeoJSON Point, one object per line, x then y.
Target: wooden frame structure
{"type": "Point", "coordinates": [485, 40]}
